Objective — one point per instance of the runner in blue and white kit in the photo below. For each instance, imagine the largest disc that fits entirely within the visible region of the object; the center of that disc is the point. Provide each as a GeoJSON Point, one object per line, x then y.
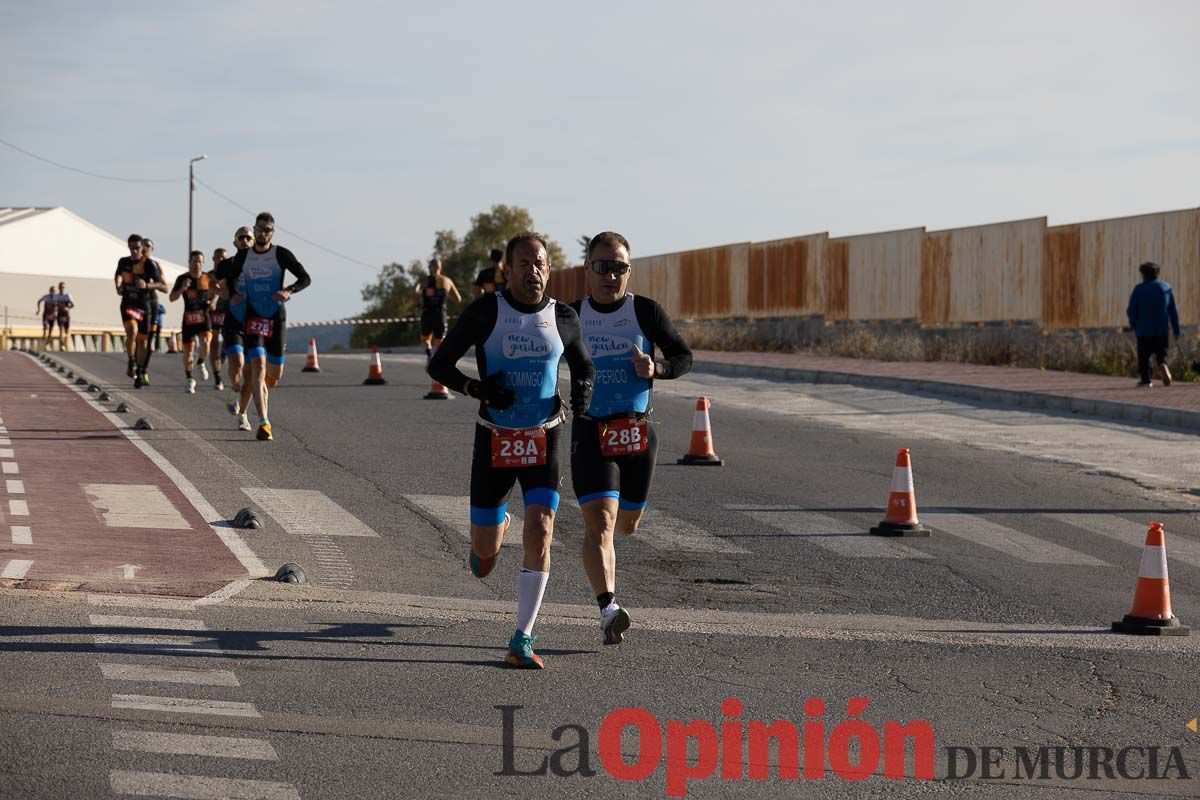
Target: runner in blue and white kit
{"type": "Point", "coordinates": [613, 447]}
{"type": "Point", "coordinates": [257, 298]}
{"type": "Point", "coordinates": [519, 336]}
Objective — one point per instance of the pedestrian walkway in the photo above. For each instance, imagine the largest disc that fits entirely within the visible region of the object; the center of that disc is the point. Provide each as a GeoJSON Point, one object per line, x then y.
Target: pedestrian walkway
{"type": "Point", "coordinates": [1099, 395]}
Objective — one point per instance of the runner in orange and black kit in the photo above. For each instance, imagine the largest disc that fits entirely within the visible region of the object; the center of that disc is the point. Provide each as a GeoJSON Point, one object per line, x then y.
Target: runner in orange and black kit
{"type": "Point", "coordinates": [431, 298]}
{"type": "Point", "coordinates": [196, 287]}
{"type": "Point", "coordinates": [137, 276]}
{"type": "Point", "coordinates": [216, 314]}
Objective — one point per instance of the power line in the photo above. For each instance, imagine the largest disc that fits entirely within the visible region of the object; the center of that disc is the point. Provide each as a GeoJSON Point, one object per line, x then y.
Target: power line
{"type": "Point", "coordinates": [343, 256]}
{"type": "Point", "coordinates": [86, 172]}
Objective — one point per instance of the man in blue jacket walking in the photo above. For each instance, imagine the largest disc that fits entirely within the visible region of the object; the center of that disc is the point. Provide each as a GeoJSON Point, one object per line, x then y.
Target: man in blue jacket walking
{"type": "Point", "coordinates": [1151, 310]}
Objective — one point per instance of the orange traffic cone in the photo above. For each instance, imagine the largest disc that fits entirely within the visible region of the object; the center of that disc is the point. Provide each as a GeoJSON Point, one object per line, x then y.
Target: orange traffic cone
{"type": "Point", "coordinates": [171, 343]}
{"type": "Point", "coordinates": [701, 451]}
{"type": "Point", "coordinates": [375, 373]}
{"type": "Point", "coordinates": [1151, 613]}
{"type": "Point", "coordinates": [310, 363]}
{"type": "Point", "coordinates": [437, 392]}
{"type": "Point", "coordinates": [901, 518]}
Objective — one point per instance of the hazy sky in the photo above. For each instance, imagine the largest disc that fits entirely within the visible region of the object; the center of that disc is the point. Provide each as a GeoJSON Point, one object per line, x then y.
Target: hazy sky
{"type": "Point", "coordinates": [367, 126]}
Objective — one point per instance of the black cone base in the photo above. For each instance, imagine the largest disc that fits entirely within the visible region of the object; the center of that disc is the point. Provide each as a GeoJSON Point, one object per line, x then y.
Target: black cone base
{"type": "Point", "coordinates": [701, 461]}
{"type": "Point", "coordinates": [1143, 626]}
{"type": "Point", "coordinates": [374, 382]}
{"type": "Point", "coordinates": [912, 530]}
{"type": "Point", "coordinates": [437, 395]}
{"type": "Point", "coordinates": [311, 369]}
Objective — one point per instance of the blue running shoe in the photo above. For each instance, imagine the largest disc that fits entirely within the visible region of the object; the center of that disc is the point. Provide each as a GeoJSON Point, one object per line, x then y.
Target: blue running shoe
{"type": "Point", "coordinates": [520, 652]}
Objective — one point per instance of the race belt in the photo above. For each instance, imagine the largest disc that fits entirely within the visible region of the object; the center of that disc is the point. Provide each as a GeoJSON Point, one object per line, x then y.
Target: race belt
{"type": "Point", "coordinates": [257, 326]}
{"type": "Point", "coordinates": [193, 317]}
{"type": "Point", "coordinates": [519, 447]}
{"type": "Point", "coordinates": [624, 436]}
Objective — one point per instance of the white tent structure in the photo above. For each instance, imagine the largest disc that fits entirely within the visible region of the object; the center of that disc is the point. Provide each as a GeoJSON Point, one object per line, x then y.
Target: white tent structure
{"type": "Point", "coordinates": [42, 246]}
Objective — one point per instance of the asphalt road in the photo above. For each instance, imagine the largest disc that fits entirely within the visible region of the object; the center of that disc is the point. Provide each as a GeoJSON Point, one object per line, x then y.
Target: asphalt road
{"type": "Point", "coordinates": [755, 580]}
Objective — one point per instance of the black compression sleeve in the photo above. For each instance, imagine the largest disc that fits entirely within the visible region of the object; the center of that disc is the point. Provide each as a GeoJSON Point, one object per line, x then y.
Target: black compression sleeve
{"type": "Point", "coordinates": [583, 373]}
{"type": "Point", "coordinates": [288, 261]}
{"type": "Point", "coordinates": [658, 326]}
{"type": "Point", "coordinates": [472, 328]}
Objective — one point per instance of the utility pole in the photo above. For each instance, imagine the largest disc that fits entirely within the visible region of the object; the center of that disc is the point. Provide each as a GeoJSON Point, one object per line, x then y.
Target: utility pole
{"type": "Point", "coordinates": [191, 194]}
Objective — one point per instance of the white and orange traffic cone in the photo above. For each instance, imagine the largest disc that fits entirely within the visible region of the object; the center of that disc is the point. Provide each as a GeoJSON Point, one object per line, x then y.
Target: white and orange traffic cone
{"type": "Point", "coordinates": [901, 517]}
{"type": "Point", "coordinates": [701, 451]}
{"type": "Point", "coordinates": [1151, 613]}
{"type": "Point", "coordinates": [171, 343]}
{"type": "Point", "coordinates": [437, 392]}
{"type": "Point", "coordinates": [310, 363]}
{"type": "Point", "coordinates": [375, 373]}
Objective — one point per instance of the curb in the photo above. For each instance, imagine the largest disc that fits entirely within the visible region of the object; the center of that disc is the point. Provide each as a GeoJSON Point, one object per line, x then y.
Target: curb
{"type": "Point", "coordinates": [1107, 409]}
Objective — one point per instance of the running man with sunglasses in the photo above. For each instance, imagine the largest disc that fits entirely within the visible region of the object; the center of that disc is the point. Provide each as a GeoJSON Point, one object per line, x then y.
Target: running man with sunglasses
{"type": "Point", "coordinates": [614, 446]}
{"type": "Point", "coordinates": [520, 335]}
{"type": "Point", "coordinates": [256, 275]}
{"type": "Point", "coordinates": [233, 339]}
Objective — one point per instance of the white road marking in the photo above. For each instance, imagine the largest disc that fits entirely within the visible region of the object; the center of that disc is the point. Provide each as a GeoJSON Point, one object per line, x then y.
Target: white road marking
{"type": "Point", "coordinates": [129, 571]}
{"type": "Point", "coordinates": [664, 532]}
{"type": "Point", "coordinates": [134, 506]}
{"type": "Point", "coordinates": [184, 705]}
{"type": "Point", "coordinates": [188, 744]}
{"type": "Point", "coordinates": [6, 442]}
{"type": "Point", "coordinates": [190, 675]}
{"type": "Point", "coordinates": [228, 536]}
{"type": "Point", "coordinates": [21, 534]}
{"type": "Point", "coordinates": [18, 508]}
{"type": "Point", "coordinates": [155, 644]}
{"type": "Point", "coordinates": [838, 536]}
{"type": "Point", "coordinates": [307, 512]}
{"type": "Point", "coordinates": [978, 530]}
{"type": "Point", "coordinates": [140, 601]}
{"type": "Point", "coordinates": [157, 623]}
{"type": "Point", "coordinates": [16, 568]}
{"type": "Point", "coordinates": [15, 487]}
{"type": "Point", "coordinates": [224, 593]}
{"type": "Point", "coordinates": [454, 511]}
{"type": "Point", "coordinates": [198, 787]}
{"type": "Point", "coordinates": [10, 468]}
{"type": "Point", "coordinates": [7, 454]}
{"type": "Point", "coordinates": [1133, 534]}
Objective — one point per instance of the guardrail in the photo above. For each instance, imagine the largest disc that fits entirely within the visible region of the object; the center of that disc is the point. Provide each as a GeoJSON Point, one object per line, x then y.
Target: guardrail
{"type": "Point", "coordinates": [81, 340]}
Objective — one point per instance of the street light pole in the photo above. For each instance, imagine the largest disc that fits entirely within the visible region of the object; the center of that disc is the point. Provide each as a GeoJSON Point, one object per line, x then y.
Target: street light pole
{"type": "Point", "coordinates": [191, 192]}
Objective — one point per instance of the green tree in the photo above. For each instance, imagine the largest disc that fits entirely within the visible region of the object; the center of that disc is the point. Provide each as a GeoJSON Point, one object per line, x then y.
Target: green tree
{"type": "Point", "coordinates": [391, 295]}
{"type": "Point", "coordinates": [583, 242]}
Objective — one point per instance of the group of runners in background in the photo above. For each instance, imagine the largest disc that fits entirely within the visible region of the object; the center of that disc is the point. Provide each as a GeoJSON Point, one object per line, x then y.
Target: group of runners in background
{"type": "Point", "coordinates": [55, 309]}
{"type": "Point", "coordinates": [233, 315]}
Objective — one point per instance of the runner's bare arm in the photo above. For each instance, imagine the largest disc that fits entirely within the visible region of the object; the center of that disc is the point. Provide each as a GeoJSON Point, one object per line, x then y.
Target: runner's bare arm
{"type": "Point", "coordinates": [471, 328]}
{"type": "Point", "coordinates": [178, 288]}
{"type": "Point", "coordinates": [452, 290]}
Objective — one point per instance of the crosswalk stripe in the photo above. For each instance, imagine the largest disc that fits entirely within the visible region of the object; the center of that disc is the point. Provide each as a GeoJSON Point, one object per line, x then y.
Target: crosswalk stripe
{"type": "Point", "coordinates": [184, 705]}
{"type": "Point", "coordinates": [198, 787]}
{"type": "Point", "coordinates": [984, 532]}
{"type": "Point", "coordinates": [185, 675]}
{"type": "Point", "coordinates": [1132, 533]}
{"type": "Point", "coordinates": [6, 454]}
{"type": "Point", "coordinates": [18, 508]}
{"type": "Point", "coordinates": [836, 535]}
{"type": "Point", "coordinates": [307, 512]}
{"type": "Point", "coordinates": [10, 468]}
{"type": "Point", "coordinates": [192, 745]}
{"type": "Point", "coordinates": [16, 568]}
{"type": "Point", "coordinates": [21, 534]}
{"type": "Point", "coordinates": [155, 623]}
{"type": "Point", "coordinates": [15, 486]}
{"type": "Point", "coordinates": [665, 532]}
{"type": "Point", "coordinates": [153, 644]}
{"type": "Point", "coordinates": [454, 511]}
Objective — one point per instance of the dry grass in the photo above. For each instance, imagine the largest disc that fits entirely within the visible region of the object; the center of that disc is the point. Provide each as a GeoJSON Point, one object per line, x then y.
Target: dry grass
{"type": "Point", "coordinates": [1103, 352]}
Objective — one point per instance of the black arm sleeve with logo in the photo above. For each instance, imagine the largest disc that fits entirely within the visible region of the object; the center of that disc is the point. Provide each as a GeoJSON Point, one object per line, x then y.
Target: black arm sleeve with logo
{"type": "Point", "coordinates": [583, 373]}
{"type": "Point", "coordinates": [471, 329]}
{"type": "Point", "coordinates": [288, 261]}
{"type": "Point", "coordinates": [655, 323]}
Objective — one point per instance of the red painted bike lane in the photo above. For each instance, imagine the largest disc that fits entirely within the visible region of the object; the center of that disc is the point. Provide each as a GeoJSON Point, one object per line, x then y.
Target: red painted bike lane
{"type": "Point", "coordinates": [82, 507]}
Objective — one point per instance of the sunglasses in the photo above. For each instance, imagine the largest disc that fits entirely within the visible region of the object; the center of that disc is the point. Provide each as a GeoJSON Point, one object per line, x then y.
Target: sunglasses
{"type": "Point", "coordinates": [245, 237]}
{"type": "Point", "coordinates": [605, 267]}
{"type": "Point", "coordinates": [261, 229]}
